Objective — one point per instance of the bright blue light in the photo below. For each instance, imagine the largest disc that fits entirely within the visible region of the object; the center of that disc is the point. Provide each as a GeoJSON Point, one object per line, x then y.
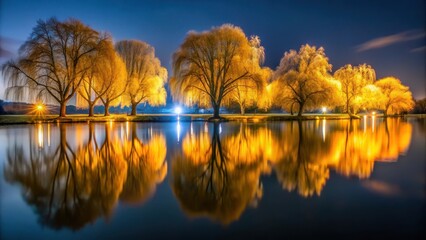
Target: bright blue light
{"type": "Point", "coordinates": [178, 110]}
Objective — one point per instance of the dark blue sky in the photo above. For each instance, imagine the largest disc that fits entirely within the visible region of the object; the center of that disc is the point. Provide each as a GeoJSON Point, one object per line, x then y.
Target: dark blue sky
{"type": "Point", "coordinates": [389, 35]}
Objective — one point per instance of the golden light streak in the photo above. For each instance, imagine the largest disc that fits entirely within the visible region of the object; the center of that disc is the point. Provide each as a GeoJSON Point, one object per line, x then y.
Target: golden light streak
{"type": "Point", "coordinates": [40, 135]}
{"type": "Point", "coordinates": [323, 129]}
{"type": "Point", "coordinates": [48, 134]}
{"type": "Point", "coordinates": [127, 129]}
{"type": "Point", "coordinates": [365, 123]}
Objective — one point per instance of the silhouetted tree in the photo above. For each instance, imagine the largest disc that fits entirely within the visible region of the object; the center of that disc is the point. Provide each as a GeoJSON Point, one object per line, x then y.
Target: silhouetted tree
{"type": "Point", "coordinates": [53, 62]}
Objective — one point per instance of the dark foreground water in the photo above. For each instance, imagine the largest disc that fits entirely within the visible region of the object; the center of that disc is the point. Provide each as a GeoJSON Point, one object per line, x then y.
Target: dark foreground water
{"type": "Point", "coordinates": [362, 179]}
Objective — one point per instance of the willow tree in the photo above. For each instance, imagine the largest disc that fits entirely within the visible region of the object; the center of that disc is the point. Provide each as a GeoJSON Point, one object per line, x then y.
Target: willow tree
{"type": "Point", "coordinates": [303, 80]}
{"type": "Point", "coordinates": [396, 97]}
{"type": "Point", "coordinates": [95, 85]}
{"type": "Point", "coordinates": [145, 75]}
{"type": "Point", "coordinates": [249, 93]}
{"type": "Point", "coordinates": [53, 62]}
{"type": "Point", "coordinates": [210, 65]}
{"type": "Point", "coordinates": [353, 80]}
{"type": "Point", "coordinates": [113, 77]}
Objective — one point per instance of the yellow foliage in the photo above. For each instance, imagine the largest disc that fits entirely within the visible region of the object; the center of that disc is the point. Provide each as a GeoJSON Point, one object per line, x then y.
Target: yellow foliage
{"type": "Point", "coordinates": [111, 77]}
{"type": "Point", "coordinates": [303, 80]}
{"type": "Point", "coordinates": [53, 62]}
{"type": "Point", "coordinates": [145, 75]}
{"type": "Point", "coordinates": [353, 82]}
{"type": "Point", "coordinates": [210, 66]}
{"type": "Point", "coordinates": [396, 98]}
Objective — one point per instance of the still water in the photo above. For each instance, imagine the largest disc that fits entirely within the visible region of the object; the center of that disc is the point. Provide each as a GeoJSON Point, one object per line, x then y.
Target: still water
{"type": "Point", "coordinates": [336, 178]}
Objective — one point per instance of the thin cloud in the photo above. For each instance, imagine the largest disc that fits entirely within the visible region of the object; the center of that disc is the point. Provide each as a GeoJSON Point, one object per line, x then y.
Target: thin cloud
{"type": "Point", "coordinates": [419, 49]}
{"type": "Point", "coordinates": [5, 53]}
{"type": "Point", "coordinates": [390, 40]}
{"type": "Point", "coordinates": [7, 45]}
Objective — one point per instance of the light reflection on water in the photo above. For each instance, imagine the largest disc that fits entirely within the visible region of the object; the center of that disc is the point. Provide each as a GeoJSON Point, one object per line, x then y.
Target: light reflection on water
{"type": "Point", "coordinates": [216, 170]}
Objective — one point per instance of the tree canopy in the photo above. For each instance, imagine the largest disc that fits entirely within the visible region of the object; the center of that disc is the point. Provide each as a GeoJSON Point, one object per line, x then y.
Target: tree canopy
{"type": "Point", "coordinates": [353, 81]}
{"type": "Point", "coordinates": [53, 62]}
{"type": "Point", "coordinates": [394, 96]}
{"type": "Point", "coordinates": [112, 75]}
{"type": "Point", "coordinates": [209, 66]}
{"type": "Point", "coordinates": [62, 60]}
{"type": "Point", "coordinates": [145, 75]}
{"type": "Point", "coordinates": [303, 81]}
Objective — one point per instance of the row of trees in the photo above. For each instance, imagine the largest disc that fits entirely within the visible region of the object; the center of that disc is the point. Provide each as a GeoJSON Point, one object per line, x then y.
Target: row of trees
{"type": "Point", "coordinates": [221, 66]}
{"type": "Point", "coordinates": [214, 68]}
{"type": "Point", "coordinates": [62, 60]}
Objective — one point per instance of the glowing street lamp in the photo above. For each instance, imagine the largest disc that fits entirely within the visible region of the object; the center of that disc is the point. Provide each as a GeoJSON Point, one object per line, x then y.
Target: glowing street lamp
{"type": "Point", "coordinates": [39, 109]}
{"type": "Point", "coordinates": [178, 111]}
{"type": "Point", "coordinates": [324, 109]}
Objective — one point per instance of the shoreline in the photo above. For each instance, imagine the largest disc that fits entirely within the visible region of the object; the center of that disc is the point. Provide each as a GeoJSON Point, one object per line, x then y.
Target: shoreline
{"type": "Point", "coordinates": [78, 118]}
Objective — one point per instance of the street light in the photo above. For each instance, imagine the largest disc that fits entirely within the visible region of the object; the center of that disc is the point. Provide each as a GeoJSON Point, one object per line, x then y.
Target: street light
{"type": "Point", "coordinates": [324, 109]}
{"type": "Point", "coordinates": [178, 111]}
{"type": "Point", "coordinates": [39, 109]}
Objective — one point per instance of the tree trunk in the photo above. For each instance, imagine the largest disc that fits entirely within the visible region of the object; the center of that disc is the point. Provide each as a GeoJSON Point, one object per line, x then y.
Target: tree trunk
{"type": "Point", "coordinates": [63, 109]}
{"type": "Point", "coordinates": [106, 109]}
{"type": "Point", "coordinates": [134, 105]}
{"type": "Point", "coordinates": [300, 109]}
{"type": "Point", "coordinates": [291, 109]}
{"type": "Point", "coordinates": [348, 110]}
{"type": "Point", "coordinates": [216, 108]}
{"type": "Point", "coordinates": [242, 110]}
{"type": "Point", "coordinates": [91, 109]}
{"type": "Point", "coordinates": [385, 113]}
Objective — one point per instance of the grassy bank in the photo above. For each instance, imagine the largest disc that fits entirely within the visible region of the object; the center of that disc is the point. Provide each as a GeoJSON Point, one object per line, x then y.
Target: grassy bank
{"type": "Point", "coordinates": [31, 119]}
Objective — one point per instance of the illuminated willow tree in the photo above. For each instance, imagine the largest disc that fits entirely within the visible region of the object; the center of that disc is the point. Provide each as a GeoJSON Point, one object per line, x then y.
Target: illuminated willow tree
{"type": "Point", "coordinates": [302, 80]}
{"type": "Point", "coordinates": [145, 75]}
{"type": "Point", "coordinates": [53, 62]}
{"type": "Point", "coordinates": [353, 80]}
{"type": "Point", "coordinates": [102, 79]}
{"type": "Point", "coordinates": [112, 75]}
{"type": "Point", "coordinates": [210, 65]}
{"type": "Point", "coordinates": [250, 93]}
{"type": "Point", "coordinates": [395, 97]}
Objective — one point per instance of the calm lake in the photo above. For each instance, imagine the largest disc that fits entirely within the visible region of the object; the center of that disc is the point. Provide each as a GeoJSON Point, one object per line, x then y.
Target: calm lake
{"type": "Point", "coordinates": [290, 179]}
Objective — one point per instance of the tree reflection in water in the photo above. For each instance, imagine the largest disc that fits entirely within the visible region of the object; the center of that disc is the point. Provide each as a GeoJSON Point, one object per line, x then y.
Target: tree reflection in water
{"type": "Point", "coordinates": [302, 166]}
{"type": "Point", "coordinates": [81, 174]}
{"type": "Point", "coordinates": [215, 178]}
{"type": "Point", "coordinates": [218, 176]}
{"type": "Point", "coordinates": [71, 185]}
{"type": "Point", "coordinates": [348, 150]}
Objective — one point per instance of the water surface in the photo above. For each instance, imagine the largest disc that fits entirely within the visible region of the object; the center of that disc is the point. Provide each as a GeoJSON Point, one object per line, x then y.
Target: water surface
{"type": "Point", "coordinates": [292, 179]}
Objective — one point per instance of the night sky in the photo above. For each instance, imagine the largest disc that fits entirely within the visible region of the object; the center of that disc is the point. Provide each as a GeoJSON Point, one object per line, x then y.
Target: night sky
{"type": "Point", "coordinates": [389, 35]}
